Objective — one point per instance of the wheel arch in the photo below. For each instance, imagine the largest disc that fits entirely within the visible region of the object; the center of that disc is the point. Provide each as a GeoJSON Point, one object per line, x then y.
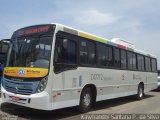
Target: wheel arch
{"type": "Point", "coordinates": [141, 83]}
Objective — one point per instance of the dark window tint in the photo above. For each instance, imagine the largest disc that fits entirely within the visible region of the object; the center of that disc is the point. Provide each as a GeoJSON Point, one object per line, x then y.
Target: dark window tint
{"type": "Point", "coordinates": [140, 60]}
{"type": "Point", "coordinates": [69, 51]}
{"type": "Point", "coordinates": [109, 56]}
{"type": "Point", "coordinates": [134, 62]}
{"type": "Point", "coordinates": [83, 52]}
{"type": "Point", "coordinates": [130, 60]}
{"type": "Point", "coordinates": [65, 54]}
{"type": "Point", "coordinates": [91, 53]}
{"type": "Point", "coordinates": [123, 59]}
{"type": "Point", "coordinates": [154, 65]}
{"type": "Point", "coordinates": [116, 58]}
{"type": "Point", "coordinates": [58, 50]}
{"type": "Point", "coordinates": [101, 55]}
{"type": "Point", "coordinates": [148, 64]}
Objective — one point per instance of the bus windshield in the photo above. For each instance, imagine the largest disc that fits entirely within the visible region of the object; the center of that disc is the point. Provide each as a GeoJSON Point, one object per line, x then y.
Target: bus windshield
{"type": "Point", "coordinates": [30, 51]}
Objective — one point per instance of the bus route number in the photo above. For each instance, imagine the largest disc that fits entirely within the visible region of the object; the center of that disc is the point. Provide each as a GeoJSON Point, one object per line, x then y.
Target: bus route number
{"type": "Point", "coordinates": [97, 77]}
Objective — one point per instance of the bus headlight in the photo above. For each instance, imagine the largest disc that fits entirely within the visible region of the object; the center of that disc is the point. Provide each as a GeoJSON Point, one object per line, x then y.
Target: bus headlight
{"type": "Point", "coordinates": [42, 84]}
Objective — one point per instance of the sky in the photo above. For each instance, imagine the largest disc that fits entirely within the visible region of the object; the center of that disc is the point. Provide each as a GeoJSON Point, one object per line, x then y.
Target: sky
{"type": "Point", "coordinates": [136, 21]}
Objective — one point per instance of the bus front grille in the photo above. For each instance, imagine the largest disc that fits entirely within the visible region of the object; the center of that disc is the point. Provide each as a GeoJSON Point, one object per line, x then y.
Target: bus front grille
{"type": "Point", "coordinates": [20, 87]}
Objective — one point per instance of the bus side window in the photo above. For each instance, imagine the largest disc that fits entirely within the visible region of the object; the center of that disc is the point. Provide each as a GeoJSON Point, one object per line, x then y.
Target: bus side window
{"type": "Point", "coordinates": [58, 55]}
{"type": "Point", "coordinates": [134, 62]}
{"type": "Point", "coordinates": [69, 51]}
{"type": "Point", "coordinates": [58, 50]}
{"type": "Point", "coordinates": [83, 52]}
{"type": "Point", "coordinates": [102, 55]}
{"type": "Point", "coordinates": [123, 59]}
{"type": "Point", "coordinates": [130, 60]}
{"type": "Point", "coordinates": [109, 57]}
{"type": "Point", "coordinates": [65, 54]}
{"type": "Point", "coordinates": [140, 60]}
{"type": "Point", "coordinates": [148, 64]}
{"type": "Point", "coordinates": [91, 53]}
{"type": "Point", "coordinates": [154, 65]}
{"type": "Point", "coordinates": [116, 58]}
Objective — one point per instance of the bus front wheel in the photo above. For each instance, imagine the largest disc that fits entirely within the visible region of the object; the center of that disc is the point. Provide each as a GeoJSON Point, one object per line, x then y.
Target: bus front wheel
{"type": "Point", "coordinates": [85, 100]}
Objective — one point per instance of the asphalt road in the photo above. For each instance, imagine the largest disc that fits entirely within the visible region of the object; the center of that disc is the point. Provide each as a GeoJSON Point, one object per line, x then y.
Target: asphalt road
{"type": "Point", "coordinates": [149, 105]}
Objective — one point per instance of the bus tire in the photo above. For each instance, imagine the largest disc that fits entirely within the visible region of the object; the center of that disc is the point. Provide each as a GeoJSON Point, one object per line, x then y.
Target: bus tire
{"type": "Point", "coordinates": [85, 100]}
{"type": "Point", "coordinates": [140, 92]}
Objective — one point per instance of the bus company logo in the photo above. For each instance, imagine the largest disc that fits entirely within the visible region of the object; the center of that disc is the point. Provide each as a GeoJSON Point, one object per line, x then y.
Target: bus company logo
{"type": "Point", "coordinates": [22, 72]}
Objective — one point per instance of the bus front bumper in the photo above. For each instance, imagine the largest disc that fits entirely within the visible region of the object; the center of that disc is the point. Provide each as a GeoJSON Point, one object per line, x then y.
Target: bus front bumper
{"type": "Point", "coordinates": [36, 101]}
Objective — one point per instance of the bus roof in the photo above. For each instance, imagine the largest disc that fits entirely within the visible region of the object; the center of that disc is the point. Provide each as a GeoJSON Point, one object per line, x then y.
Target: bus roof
{"type": "Point", "coordinates": [95, 38]}
{"type": "Point", "coordinates": [89, 36]}
{"type": "Point", "coordinates": [101, 39]}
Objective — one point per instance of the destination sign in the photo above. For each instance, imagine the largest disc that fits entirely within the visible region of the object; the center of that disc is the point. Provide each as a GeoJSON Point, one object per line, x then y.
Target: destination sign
{"type": "Point", "coordinates": [34, 30]}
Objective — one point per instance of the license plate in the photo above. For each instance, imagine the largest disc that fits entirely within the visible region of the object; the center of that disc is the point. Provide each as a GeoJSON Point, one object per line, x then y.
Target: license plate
{"type": "Point", "coordinates": [14, 98]}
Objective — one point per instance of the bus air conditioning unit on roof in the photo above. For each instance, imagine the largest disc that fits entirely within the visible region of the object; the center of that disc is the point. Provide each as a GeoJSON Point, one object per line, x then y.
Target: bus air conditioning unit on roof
{"type": "Point", "coordinates": [122, 42]}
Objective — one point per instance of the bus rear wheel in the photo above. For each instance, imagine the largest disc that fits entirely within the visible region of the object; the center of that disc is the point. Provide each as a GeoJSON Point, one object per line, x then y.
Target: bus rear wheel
{"type": "Point", "coordinates": [140, 92]}
{"type": "Point", "coordinates": [85, 100]}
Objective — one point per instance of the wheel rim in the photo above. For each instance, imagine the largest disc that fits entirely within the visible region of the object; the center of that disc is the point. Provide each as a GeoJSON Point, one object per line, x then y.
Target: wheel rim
{"type": "Point", "coordinates": [87, 100]}
{"type": "Point", "coordinates": [140, 92]}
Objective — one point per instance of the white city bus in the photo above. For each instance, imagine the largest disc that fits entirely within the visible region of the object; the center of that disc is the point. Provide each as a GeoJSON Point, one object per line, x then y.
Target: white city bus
{"type": "Point", "coordinates": [53, 66]}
